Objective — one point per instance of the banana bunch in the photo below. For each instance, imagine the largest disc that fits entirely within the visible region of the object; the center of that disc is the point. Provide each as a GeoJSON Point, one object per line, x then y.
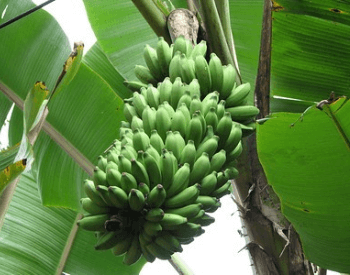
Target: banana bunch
{"type": "Point", "coordinates": [152, 190]}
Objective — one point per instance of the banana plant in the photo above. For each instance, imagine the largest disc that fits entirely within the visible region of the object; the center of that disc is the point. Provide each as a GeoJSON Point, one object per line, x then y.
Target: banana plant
{"type": "Point", "coordinates": [85, 113]}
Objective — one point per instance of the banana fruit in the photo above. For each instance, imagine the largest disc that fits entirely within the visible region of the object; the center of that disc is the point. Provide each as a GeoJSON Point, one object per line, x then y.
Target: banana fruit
{"type": "Point", "coordinates": [152, 190]}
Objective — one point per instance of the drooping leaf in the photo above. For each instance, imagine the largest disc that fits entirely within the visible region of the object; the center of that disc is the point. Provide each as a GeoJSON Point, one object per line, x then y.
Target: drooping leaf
{"type": "Point", "coordinates": [34, 240]}
{"type": "Point", "coordinates": [306, 159]}
{"type": "Point", "coordinates": [309, 47]}
{"type": "Point", "coordinates": [84, 116]}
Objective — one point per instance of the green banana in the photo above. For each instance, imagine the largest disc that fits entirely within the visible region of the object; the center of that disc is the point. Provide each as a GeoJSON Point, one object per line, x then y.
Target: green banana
{"type": "Point", "coordinates": [144, 188]}
{"type": "Point", "coordinates": [156, 141]}
{"type": "Point", "coordinates": [211, 118]}
{"type": "Point", "coordinates": [206, 201]}
{"type": "Point", "coordinates": [201, 167]}
{"type": "Point", "coordinates": [176, 92]}
{"type": "Point", "coordinates": [99, 177]}
{"type": "Point", "coordinates": [144, 75]}
{"type": "Point", "coordinates": [158, 251]}
{"type": "Point", "coordinates": [186, 112]}
{"type": "Point", "coordinates": [220, 110]}
{"type": "Point", "coordinates": [93, 223]}
{"type": "Point", "coordinates": [128, 182]}
{"type": "Point", "coordinates": [196, 104]}
{"type": "Point", "coordinates": [185, 197]}
{"type": "Point", "coordinates": [203, 74]}
{"type": "Point", "coordinates": [109, 239]}
{"type": "Point", "coordinates": [155, 215]}
{"type": "Point", "coordinates": [195, 130]}
{"type": "Point", "coordinates": [171, 221]}
{"type": "Point", "coordinates": [169, 108]}
{"type": "Point", "coordinates": [118, 197]}
{"type": "Point", "coordinates": [156, 196]}
{"type": "Point", "coordinates": [168, 242]}
{"type": "Point", "coordinates": [91, 207]}
{"type": "Point", "coordinates": [208, 183]}
{"type": "Point", "coordinates": [174, 67]}
{"type": "Point", "coordinates": [165, 89]}
{"type": "Point", "coordinates": [139, 102]}
{"type": "Point", "coordinates": [136, 123]}
{"type": "Point", "coordinates": [140, 140]}
{"type": "Point", "coordinates": [187, 211]}
{"type": "Point", "coordinates": [114, 177]}
{"type": "Point", "coordinates": [243, 113]}
{"type": "Point", "coordinates": [211, 102]}
{"type": "Point", "coordinates": [143, 243]}
{"type": "Point", "coordinates": [180, 45]}
{"type": "Point", "coordinates": [187, 69]}
{"type": "Point", "coordinates": [194, 88]}
{"type": "Point", "coordinates": [205, 220]}
{"type": "Point", "coordinates": [102, 162]}
{"type": "Point", "coordinates": [235, 153]}
{"type": "Point", "coordinates": [209, 146]}
{"type": "Point", "coordinates": [163, 121]}
{"type": "Point", "coordinates": [167, 168]}
{"type": "Point", "coordinates": [185, 98]}
{"type": "Point", "coordinates": [164, 55]}
{"type": "Point", "coordinates": [188, 154]}
{"type": "Point", "coordinates": [122, 246]}
{"type": "Point", "coordinates": [136, 200]}
{"type": "Point", "coordinates": [187, 230]}
{"type": "Point", "coordinates": [103, 192]}
{"type": "Point", "coordinates": [238, 95]}
{"type": "Point", "coordinates": [224, 129]}
{"type": "Point", "coordinates": [218, 160]}
{"type": "Point", "coordinates": [151, 58]}
{"type": "Point", "coordinates": [152, 96]}
{"type": "Point", "coordinates": [231, 173]}
{"type": "Point", "coordinates": [177, 122]}
{"type": "Point", "coordinates": [180, 181]}
{"type": "Point", "coordinates": [134, 252]}
{"type": "Point", "coordinates": [139, 171]}
{"type": "Point", "coordinates": [234, 138]}
{"type": "Point", "coordinates": [228, 81]}
{"type": "Point", "coordinates": [216, 72]}
{"type": "Point", "coordinates": [223, 190]}
{"type": "Point", "coordinates": [112, 156]}
{"type": "Point", "coordinates": [199, 49]}
{"type": "Point", "coordinates": [149, 120]}
{"type": "Point", "coordinates": [153, 169]}
{"type": "Point", "coordinates": [152, 228]}
{"type": "Point", "coordinates": [91, 192]}
{"type": "Point", "coordinates": [129, 112]}
{"type": "Point", "coordinates": [124, 164]}
{"type": "Point", "coordinates": [134, 86]}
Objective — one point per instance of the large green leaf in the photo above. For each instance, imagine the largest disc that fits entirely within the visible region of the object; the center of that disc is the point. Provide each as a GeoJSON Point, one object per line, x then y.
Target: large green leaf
{"type": "Point", "coordinates": [306, 159]}
{"type": "Point", "coordinates": [96, 59]}
{"type": "Point", "coordinates": [34, 240]}
{"type": "Point", "coordinates": [85, 114]}
{"type": "Point", "coordinates": [121, 31]}
{"type": "Point", "coordinates": [310, 49]}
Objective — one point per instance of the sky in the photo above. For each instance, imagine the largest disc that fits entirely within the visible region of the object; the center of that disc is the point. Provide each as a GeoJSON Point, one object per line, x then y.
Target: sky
{"type": "Point", "coordinates": [214, 252]}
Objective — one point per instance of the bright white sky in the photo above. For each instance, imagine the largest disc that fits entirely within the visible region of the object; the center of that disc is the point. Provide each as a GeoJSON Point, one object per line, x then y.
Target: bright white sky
{"type": "Point", "coordinates": [216, 251]}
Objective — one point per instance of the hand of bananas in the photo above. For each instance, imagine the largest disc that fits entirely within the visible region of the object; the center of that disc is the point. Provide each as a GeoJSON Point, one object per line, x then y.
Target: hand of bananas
{"type": "Point", "coordinates": [152, 190]}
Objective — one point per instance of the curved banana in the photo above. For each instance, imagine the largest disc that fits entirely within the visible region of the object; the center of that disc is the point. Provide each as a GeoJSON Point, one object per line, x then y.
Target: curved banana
{"type": "Point", "coordinates": [156, 196]}
{"type": "Point", "coordinates": [185, 197]}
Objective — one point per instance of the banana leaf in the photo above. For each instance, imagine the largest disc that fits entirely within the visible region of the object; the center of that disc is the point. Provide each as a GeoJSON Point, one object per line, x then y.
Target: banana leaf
{"type": "Point", "coordinates": [40, 240]}
{"type": "Point", "coordinates": [306, 160]}
{"type": "Point", "coordinates": [310, 46]}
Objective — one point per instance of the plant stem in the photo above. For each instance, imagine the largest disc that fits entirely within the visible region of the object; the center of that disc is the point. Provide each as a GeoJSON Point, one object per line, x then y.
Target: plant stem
{"type": "Point", "coordinates": [179, 265]}
{"type": "Point", "coordinates": [223, 8]}
{"type": "Point", "coordinates": [322, 271]}
{"type": "Point", "coordinates": [25, 14]}
{"type": "Point", "coordinates": [191, 6]}
{"type": "Point", "coordinates": [154, 17]}
{"type": "Point", "coordinates": [215, 32]}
